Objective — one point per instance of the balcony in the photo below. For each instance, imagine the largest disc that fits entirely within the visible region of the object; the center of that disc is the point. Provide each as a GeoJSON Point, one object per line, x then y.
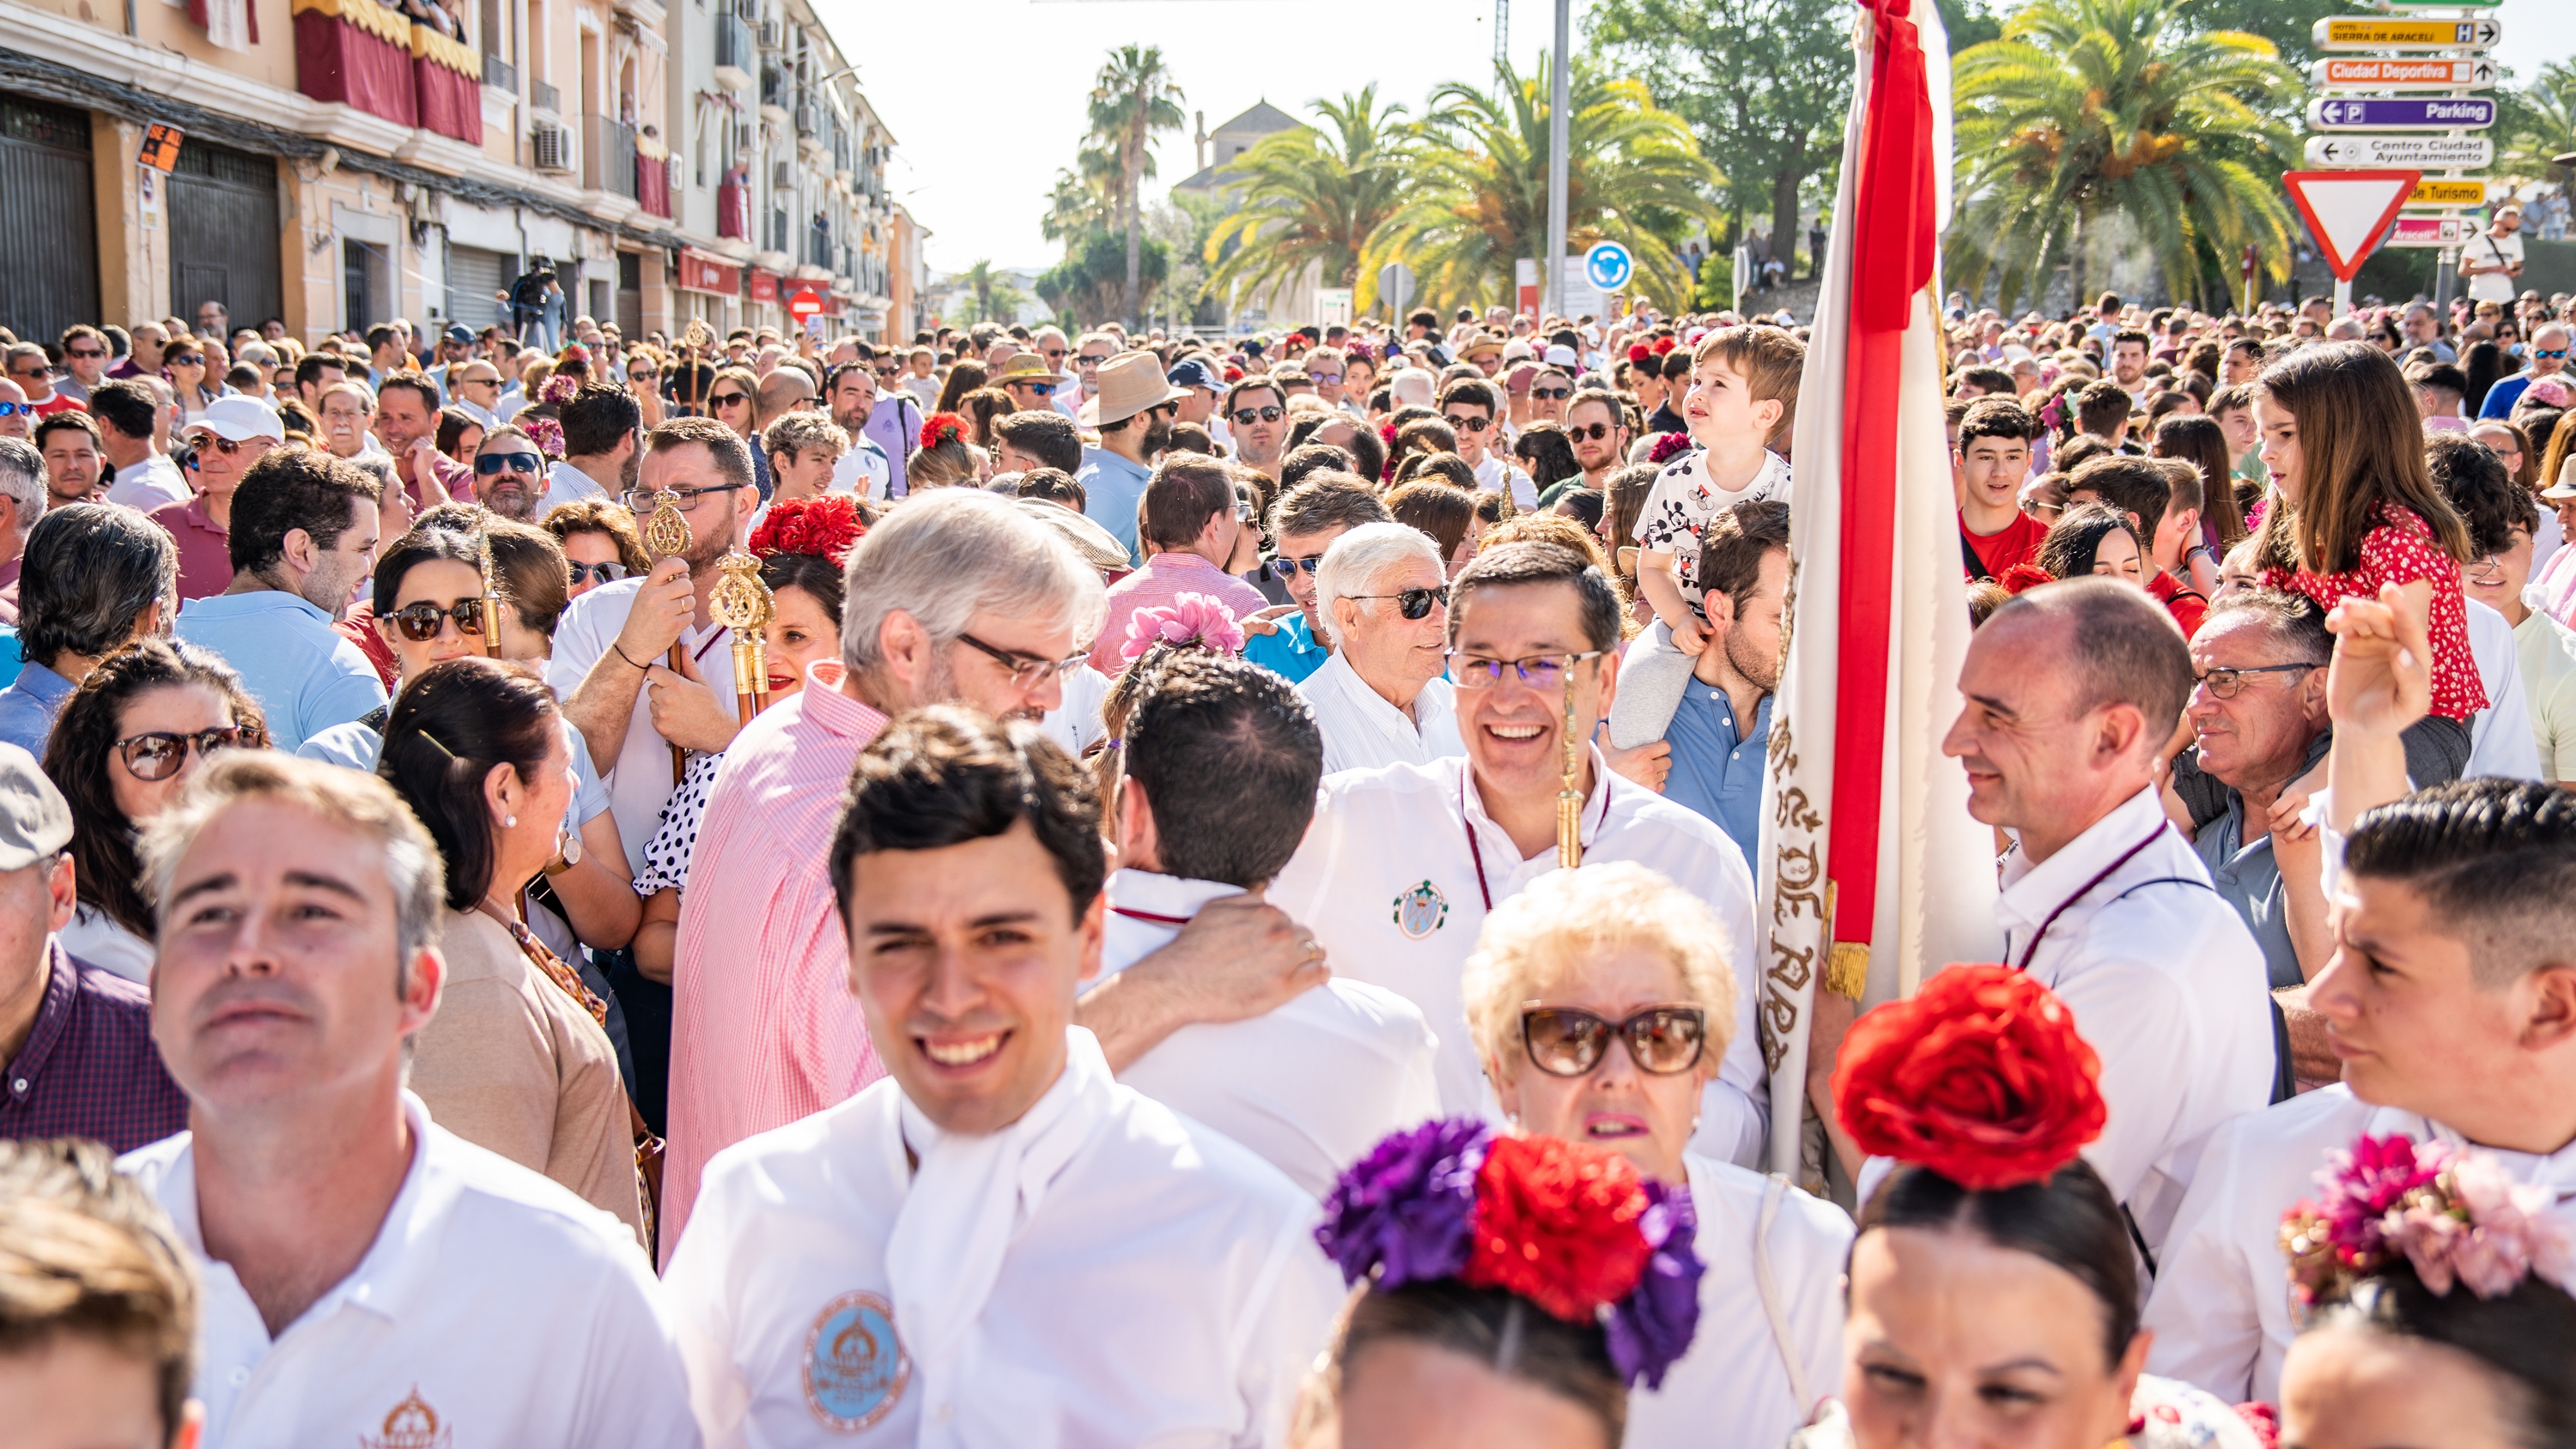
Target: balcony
{"type": "Point", "coordinates": [735, 60]}
{"type": "Point", "coordinates": [499, 72]}
{"type": "Point", "coordinates": [608, 156]}
{"type": "Point", "coordinates": [545, 97]}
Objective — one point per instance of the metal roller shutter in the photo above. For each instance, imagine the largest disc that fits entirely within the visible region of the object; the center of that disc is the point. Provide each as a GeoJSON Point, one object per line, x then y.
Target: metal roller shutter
{"type": "Point", "coordinates": [224, 233]}
{"type": "Point", "coordinates": [473, 275]}
{"type": "Point", "coordinates": [49, 229]}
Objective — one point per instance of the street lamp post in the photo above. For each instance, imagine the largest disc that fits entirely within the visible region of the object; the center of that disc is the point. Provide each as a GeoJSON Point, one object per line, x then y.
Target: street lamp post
{"type": "Point", "coordinates": [1552, 270]}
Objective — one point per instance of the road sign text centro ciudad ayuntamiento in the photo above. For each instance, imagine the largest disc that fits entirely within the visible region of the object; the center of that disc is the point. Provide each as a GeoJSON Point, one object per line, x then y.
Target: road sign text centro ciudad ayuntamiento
{"type": "Point", "coordinates": [2380, 156]}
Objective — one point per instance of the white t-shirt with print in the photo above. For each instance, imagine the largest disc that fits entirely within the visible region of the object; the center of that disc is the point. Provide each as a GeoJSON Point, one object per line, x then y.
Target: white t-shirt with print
{"type": "Point", "coordinates": [1684, 500]}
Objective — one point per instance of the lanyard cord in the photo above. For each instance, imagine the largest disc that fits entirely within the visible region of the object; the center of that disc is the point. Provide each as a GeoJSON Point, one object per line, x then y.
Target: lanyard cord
{"type": "Point", "coordinates": [2087, 889]}
{"type": "Point", "coordinates": [1477, 852]}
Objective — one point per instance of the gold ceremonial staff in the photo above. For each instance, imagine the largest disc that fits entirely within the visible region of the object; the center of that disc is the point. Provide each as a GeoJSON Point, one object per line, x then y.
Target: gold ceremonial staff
{"type": "Point", "coordinates": [1569, 800]}
{"type": "Point", "coordinates": [491, 605]}
{"type": "Point", "coordinates": [666, 535]}
{"type": "Point", "coordinates": [741, 601]}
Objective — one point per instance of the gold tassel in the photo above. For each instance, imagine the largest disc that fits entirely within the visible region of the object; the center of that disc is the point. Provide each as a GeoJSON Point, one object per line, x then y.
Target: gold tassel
{"type": "Point", "coordinates": [1847, 969]}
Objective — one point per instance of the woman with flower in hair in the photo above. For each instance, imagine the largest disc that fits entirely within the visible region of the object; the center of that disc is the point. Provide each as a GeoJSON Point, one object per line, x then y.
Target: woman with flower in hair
{"type": "Point", "coordinates": [2431, 1281]}
{"type": "Point", "coordinates": [945, 459]}
{"type": "Point", "coordinates": [801, 543]}
{"type": "Point", "coordinates": [1601, 1002]}
{"type": "Point", "coordinates": [1993, 1288]}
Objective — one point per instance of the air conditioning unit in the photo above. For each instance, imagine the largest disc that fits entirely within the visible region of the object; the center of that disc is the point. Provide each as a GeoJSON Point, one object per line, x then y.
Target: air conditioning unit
{"type": "Point", "coordinates": [769, 35]}
{"type": "Point", "coordinates": [782, 176]}
{"type": "Point", "coordinates": [550, 148]}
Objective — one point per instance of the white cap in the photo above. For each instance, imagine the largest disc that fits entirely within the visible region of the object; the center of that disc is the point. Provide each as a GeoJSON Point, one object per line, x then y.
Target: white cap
{"type": "Point", "coordinates": [1562, 356]}
{"type": "Point", "coordinates": [236, 418]}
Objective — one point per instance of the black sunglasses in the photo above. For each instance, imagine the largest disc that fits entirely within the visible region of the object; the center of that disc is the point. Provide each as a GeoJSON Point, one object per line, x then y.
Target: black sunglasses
{"type": "Point", "coordinates": [1565, 1042]}
{"type": "Point", "coordinates": [1596, 431]}
{"type": "Point", "coordinates": [1469, 425]}
{"type": "Point", "coordinates": [420, 622]}
{"type": "Point", "coordinates": [1269, 413]}
{"type": "Point", "coordinates": [159, 754]}
{"type": "Point", "coordinates": [727, 399]}
{"type": "Point", "coordinates": [606, 573]}
{"type": "Point", "coordinates": [83, 352]}
{"type": "Point", "coordinates": [491, 463]}
{"type": "Point", "coordinates": [1551, 392]}
{"type": "Point", "coordinates": [1412, 603]}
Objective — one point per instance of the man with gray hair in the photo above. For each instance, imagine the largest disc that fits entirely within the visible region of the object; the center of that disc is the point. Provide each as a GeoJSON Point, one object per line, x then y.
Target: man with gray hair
{"type": "Point", "coordinates": [22, 502]}
{"type": "Point", "coordinates": [958, 597]}
{"type": "Point", "coordinates": [379, 1270]}
{"type": "Point", "coordinates": [97, 577]}
{"type": "Point", "coordinates": [1380, 699]}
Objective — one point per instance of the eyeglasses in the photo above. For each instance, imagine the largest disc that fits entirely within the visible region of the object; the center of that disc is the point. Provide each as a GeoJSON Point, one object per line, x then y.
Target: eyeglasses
{"type": "Point", "coordinates": [2549, 352]}
{"type": "Point", "coordinates": [1595, 431]}
{"type": "Point", "coordinates": [1042, 389]}
{"type": "Point", "coordinates": [1469, 425]}
{"type": "Point", "coordinates": [491, 463]}
{"type": "Point", "coordinates": [1268, 413]}
{"type": "Point", "coordinates": [84, 352]}
{"type": "Point", "coordinates": [728, 399]}
{"type": "Point", "coordinates": [1412, 603]}
{"type": "Point", "coordinates": [2223, 683]}
{"type": "Point", "coordinates": [230, 446]}
{"type": "Point", "coordinates": [1323, 377]}
{"type": "Point", "coordinates": [606, 573]}
{"type": "Point", "coordinates": [684, 499]}
{"type": "Point", "coordinates": [1552, 392]}
{"type": "Point", "coordinates": [159, 754]}
{"type": "Point", "coordinates": [1538, 671]}
{"type": "Point", "coordinates": [1026, 673]}
{"type": "Point", "coordinates": [420, 622]}
{"type": "Point", "coordinates": [1662, 1040]}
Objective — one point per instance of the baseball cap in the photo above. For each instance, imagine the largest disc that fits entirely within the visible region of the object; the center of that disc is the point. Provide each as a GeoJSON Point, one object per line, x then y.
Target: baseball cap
{"type": "Point", "coordinates": [236, 417]}
{"type": "Point", "coordinates": [1562, 356]}
{"type": "Point", "coordinates": [457, 332]}
{"type": "Point", "coordinates": [1193, 372]}
{"type": "Point", "coordinates": [35, 822]}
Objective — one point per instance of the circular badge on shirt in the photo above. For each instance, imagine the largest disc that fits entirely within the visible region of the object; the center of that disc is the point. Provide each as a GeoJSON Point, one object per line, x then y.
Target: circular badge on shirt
{"type": "Point", "coordinates": [1421, 911]}
{"type": "Point", "coordinates": [855, 1366]}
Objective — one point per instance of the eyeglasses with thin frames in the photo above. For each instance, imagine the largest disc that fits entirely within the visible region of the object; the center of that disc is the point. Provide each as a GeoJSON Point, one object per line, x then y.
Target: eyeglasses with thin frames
{"type": "Point", "coordinates": [684, 499]}
{"type": "Point", "coordinates": [1544, 673]}
{"type": "Point", "coordinates": [2224, 683]}
{"type": "Point", "coordinates": [1026, 673]}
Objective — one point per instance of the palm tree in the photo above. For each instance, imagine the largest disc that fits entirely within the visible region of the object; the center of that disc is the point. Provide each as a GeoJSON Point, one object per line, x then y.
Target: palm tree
{"type": "Point", "coordinates": [1083, 200]}
{"type": "Point", "coordinates": [1311, 197]}
{"type": "Point", "coordinates": [990, 295]}
{"type": "Point", "coordinates": [1132, 99]}
{"type": "Point", "coordinates": [1477, 202]}
{"type": "Point", "coordinates": [2089, 109]}
{"type": "Point", "coordinates": [2539, 125]}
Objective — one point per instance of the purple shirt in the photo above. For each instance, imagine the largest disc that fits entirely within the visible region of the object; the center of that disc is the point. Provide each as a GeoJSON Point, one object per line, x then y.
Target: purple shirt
{"type": "Point", "coordinates": [89, 1069]}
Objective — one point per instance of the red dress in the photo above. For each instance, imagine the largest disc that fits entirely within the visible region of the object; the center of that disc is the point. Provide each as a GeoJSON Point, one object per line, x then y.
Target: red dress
{"type": "Point", "coordinates": [2400, 550]}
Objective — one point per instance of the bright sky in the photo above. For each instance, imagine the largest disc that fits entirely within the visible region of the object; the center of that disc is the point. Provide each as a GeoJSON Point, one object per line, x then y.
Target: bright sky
{"type": "Point", "coordinates": [986, 96]}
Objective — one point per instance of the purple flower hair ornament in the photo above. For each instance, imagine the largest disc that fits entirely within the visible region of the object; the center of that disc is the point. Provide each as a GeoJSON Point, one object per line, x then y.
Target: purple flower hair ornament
{"type": "Point", "coordinates": [1654, 1325]}
{"type": "Point", "coordinates": [2456, 1216]}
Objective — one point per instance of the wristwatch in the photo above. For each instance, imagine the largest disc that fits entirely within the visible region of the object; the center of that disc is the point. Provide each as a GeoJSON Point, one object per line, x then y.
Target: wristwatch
{"type": "Point", "coordinates": [567, 854]}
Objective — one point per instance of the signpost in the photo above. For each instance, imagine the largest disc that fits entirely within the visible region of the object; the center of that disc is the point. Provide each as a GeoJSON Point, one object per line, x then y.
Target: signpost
{"type": "Point", "coordinates": [2439, 113]}
{"type": "Point", "coordinates": [2348, 212]}
{"type": "Point", "coordinates": [805, 304]}
{"type": "Point", "coordinates": [1608, 266]}
{"type": "Point", "coordinates": [2449, 194]}
{"type": "Point", "coordinates": [1395, 288]}
{"type": "Point", "coordinates": [2425, 34]}
{"type": "Point", "coordinates": [2428, 231]}
{"type": "Point", "coordinates": [2423, 153]}
{"type": "Point", "coordinates": [2415, 73]}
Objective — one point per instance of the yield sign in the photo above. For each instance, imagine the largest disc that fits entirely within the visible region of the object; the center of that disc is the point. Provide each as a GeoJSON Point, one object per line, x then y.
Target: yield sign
{"type": "Point", "coordinates": [2348, 211]}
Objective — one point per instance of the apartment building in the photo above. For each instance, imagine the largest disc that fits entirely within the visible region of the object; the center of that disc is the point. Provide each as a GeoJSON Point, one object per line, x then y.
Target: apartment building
{"type": "Point", "coordinates": [348, 161]}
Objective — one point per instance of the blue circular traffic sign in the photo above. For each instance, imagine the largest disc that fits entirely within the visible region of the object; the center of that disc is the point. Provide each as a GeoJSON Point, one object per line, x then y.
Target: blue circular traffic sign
{"type": "Point", "coordinates": [1609, 266]}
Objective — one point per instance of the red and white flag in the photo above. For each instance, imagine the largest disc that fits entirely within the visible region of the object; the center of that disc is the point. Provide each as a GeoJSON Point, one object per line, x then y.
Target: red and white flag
{"type": "Point", "coordinates": [1871, 870]}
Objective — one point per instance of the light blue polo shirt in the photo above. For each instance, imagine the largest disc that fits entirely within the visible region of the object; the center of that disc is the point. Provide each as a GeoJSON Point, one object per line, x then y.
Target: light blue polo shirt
{"type": "Point", "coordinates": [1292, 653]}
{"type": "Point", "coordinates": [1111, 489]}
{"type": "Point", "coordinates": [305, 676]}
{"type": "Point", "coordinates": [1717, 769]}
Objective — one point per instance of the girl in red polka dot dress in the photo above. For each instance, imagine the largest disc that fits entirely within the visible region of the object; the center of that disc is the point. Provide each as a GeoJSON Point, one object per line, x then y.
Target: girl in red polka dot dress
{"type": "Point", "coordinates": [2356, 509]}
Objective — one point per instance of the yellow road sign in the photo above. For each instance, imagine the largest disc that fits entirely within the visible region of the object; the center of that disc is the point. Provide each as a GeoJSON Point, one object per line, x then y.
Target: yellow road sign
{"type": "Point", "coordinates": [2341, 34]}
{"type": "Point", "coordinates": [2448, 193]}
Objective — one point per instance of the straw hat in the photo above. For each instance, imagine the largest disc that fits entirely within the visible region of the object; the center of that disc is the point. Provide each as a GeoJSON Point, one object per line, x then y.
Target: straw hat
{"type": "Point", "coordinates": [1025, 367]}
{"type": "Point", "coordinates": [1127, 385]}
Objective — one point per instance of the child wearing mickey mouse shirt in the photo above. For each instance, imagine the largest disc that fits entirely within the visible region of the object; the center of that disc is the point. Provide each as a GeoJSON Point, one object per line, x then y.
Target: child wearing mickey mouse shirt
{"type": "Point", "coordinates": [1743, 398]}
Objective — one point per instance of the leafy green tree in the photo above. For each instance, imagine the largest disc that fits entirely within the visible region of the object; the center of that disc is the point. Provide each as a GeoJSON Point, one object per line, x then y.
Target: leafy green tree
{"type": "Point", "coordinates": [2288, 24]}
{"type": "Point", "coordinates": [1083, 198]}
{"type": "Point", "coordinates": [2538, 124]}
{"type": "Point", "coordinates": [2087, 109]}
{"type": "Point", "coordinates": [1311, 197]}
{"type": "Point", "coordinates": [1764, 84]}
{"type": "Point", "coordinates": [990, 295]}
{"type": "Point", "coordinates": [1477, 198]}
{"type": "Point", "coordinates": [1132, 100]}
{"type": "Point", "coordinates": [1088, 283]}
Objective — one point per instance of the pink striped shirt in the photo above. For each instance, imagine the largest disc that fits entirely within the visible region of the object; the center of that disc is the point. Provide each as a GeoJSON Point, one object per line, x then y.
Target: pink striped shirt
{"type": "Point", "coordinates": [1165, 577]}
{"type": "Point", "coordinates": [763, 1027]}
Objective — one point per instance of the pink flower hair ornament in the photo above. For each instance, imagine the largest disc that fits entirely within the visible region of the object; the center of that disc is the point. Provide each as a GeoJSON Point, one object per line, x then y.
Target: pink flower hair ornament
{"type": "Point", "coordinates": [2455, 1215]}
{"type": "Point", "coordinates": [1190, 619]}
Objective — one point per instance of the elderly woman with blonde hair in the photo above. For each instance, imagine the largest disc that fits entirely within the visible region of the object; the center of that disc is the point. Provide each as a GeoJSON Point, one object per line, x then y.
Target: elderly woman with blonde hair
{"type": "Point", "coordinates": [1601, 1003]}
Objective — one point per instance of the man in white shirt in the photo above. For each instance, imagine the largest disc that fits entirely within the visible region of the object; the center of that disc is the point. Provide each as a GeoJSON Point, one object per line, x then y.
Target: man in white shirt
{"type": "Point", "coordinates": [1473, 409]}
{"type": "Point", "coordinates": [1403, 864]}
{"type": "Point", "coordinates": [129, 434]}
{"type": "Point", "coordinates": [369, 1277]}
{"type": "Point", "coordinates": [1380, 699]}
{"type": "Point", "coordinates": [2493, 259]}
{"type": "Point", "coordinates": [2451, 999]}
{"type": "Point", "coordinates": [602, 433]}
{"type": "Point", "coordinates": [1000, 1244]}
{"type": "Point", "coordinates": [1220, 766]}
{"type": "Point", "coordinates": [2072, 692]}
{"type": "Point", "coordinates": [611, 663]}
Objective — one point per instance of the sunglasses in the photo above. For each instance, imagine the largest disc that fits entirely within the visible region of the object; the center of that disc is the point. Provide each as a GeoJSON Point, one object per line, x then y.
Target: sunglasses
{"type": "Point", "coordinates": [12, 410]}
{"type": "Point", "coordinates": [159, 754]}
{"type": "Point", "coordinates": [2549, 352]}
{"type": "Point", "coordinates": [420, 622]}
{"type": "Point", "coordinates": [728, 399]}
{"type": "Point", "coordinates": [1288, 567]}
{"type": "Point", "coordinates": [230, 446]}
{"type": "Point", "coordinates": [606, 573]}
{"type": "Point", "coordinates": [1552, 392]}
{"type": "Point", "coordinates": [491, 463]}
{"type": "Point", "coordinates": [183, 360]}
{"type": "Point", "coordinates": [1088, 361]}
{"type": "Point", "coordinates": [1042, 389]}
{"type": "Point", "coordinates": [1662, 1040]}
{"type": "Point", "coordinates": [1469, 425]}
{"type": "Point", "coordinates": [1413, 603]}
{"type": "Point", "coordinates": [1246, 417]}
{"type": "Point", "coordinates": [886, 373]}
{"type": "Point", "coordinates": [84, 352]}
{"type": "Point", "coordinates": [1596, 431]}
{"type": "Point", "coordinates": [489, 381]}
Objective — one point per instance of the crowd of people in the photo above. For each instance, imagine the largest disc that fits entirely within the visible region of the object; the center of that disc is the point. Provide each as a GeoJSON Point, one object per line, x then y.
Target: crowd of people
{"type": "Point", "coordinates": [1104, 889]}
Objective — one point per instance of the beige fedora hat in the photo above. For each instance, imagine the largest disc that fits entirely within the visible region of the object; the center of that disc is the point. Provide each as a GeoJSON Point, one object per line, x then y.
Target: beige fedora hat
{"type": "Point", "coordinates": [1128, 384]}
{"type": "Point", "coordinates": [1025, 367]}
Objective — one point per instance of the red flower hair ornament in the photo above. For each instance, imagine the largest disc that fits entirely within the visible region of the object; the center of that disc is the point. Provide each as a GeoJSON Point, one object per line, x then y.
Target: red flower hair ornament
{"type": "Point", "coordinates": [825, 527]}
{"type": "Point", "coordinates": [1979, 1076]}
{"type": "Point", "coordinates": [941, 428]}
